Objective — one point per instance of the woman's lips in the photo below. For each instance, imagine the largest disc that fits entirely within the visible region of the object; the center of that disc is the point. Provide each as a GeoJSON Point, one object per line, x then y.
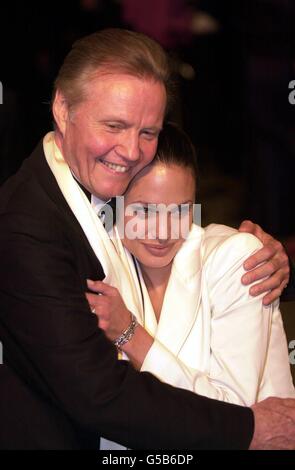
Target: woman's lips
{"type": "Point", "coordinates": [157, 250]}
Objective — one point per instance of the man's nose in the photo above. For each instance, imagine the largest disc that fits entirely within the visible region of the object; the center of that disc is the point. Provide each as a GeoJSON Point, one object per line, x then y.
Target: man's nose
{"type": "Point", "coordinates": [129, 147]}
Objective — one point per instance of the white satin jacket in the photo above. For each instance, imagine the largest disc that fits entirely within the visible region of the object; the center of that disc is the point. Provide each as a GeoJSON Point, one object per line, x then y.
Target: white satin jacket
{"type": "Point", "coordinates": [213, 337]}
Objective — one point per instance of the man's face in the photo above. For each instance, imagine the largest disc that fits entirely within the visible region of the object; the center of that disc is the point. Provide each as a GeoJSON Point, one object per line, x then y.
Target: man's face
{"type": "Point", "coordinates": [110, 136]}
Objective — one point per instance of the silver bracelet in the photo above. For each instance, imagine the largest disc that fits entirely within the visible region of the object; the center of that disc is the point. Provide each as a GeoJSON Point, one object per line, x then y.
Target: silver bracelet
{"type": "Point", "coordinates": [127, 334]}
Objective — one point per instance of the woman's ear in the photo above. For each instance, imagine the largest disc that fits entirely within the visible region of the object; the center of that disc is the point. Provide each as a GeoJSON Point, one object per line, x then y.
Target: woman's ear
{"type": "Point", "coordinates": [60, 111]}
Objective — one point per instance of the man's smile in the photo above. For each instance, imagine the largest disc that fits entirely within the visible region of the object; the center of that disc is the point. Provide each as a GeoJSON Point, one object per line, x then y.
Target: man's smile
{"type": "Point", "coordinates": [115, 167]}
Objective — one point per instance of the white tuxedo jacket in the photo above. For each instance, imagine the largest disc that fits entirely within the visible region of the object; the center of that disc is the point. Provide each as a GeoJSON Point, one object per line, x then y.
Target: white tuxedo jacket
{"type": "Point", "coordinates": [213, 337]}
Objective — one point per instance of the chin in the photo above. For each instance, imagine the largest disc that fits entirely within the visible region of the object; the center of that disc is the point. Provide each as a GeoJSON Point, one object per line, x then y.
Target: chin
{"type": "Point", "coordinates": [157, 262]}
{"type": "Point", "coordinates": [117, 191]}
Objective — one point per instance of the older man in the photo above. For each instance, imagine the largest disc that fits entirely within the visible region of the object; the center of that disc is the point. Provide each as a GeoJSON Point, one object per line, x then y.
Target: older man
{"type": "Point", "coordinates": [61, 384]}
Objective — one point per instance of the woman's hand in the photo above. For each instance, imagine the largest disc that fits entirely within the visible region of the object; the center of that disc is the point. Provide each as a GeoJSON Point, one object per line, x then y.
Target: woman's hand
{"type": "Point", "coordinates": [114, 318]}
{"type": "Point", "coordinates": [275, 265]}
{"type": "Point", "coordinates": [108, 306]}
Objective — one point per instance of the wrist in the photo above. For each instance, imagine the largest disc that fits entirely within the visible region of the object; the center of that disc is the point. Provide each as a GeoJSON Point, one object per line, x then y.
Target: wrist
{"type": "Point", "coordinates": [127, 334]}
{"type": "Point", "coordinates": [138, 347]}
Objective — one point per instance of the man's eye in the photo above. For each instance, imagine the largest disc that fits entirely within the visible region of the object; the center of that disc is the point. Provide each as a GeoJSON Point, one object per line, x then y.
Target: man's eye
{"type": "Point", "coordinates": [114, 126]}
{"type": "Point", "coordinates": [150, 135]}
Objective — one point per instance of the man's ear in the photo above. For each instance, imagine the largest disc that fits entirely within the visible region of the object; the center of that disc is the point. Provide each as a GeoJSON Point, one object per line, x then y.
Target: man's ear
{"type": "Point", "coordinates": [60, 111]}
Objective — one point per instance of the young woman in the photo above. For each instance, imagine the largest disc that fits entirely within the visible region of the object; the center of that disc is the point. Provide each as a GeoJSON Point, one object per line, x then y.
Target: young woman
{"type": "Point", "coordinates": [198, 326]}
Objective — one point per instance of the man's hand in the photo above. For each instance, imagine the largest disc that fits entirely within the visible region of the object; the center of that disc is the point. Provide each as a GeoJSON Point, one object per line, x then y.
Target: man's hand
{"type": "Point", "coordinates": [275, 265]}
{"type": "Point", "coordinates": [274, 424]}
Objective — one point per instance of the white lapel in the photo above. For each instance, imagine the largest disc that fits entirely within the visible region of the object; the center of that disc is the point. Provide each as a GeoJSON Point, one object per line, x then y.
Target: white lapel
{"type": "Point", "coordinates": [182, 297]}
{"type": "Point", "coordinates": [117, 274]}
{"type": "Point", "coordinates": [183, 294]}
{"type": "Point", "coordinates": [150, 321]}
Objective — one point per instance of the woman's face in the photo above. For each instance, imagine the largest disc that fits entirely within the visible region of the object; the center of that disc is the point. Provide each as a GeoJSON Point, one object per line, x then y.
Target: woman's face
{"type": "Point", "coordinates": [157, 224]}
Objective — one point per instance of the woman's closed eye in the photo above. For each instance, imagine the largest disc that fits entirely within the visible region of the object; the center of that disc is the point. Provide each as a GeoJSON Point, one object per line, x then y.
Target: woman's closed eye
{"type": "Point", "coordinates": [140, 209]}
{"type": "Point", "coordinates": [143, 210]}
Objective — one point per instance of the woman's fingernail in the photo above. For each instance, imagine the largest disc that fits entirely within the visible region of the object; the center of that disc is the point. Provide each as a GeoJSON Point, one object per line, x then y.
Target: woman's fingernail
{"type": "Point", "coordinates": [90, 282]}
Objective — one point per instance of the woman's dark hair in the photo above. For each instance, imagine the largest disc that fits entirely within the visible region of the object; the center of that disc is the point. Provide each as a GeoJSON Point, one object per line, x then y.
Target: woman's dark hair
{"type": "Point", "coordinates": [175, 147]}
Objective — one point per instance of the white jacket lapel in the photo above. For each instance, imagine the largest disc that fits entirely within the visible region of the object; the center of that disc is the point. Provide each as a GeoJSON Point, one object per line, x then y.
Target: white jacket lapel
{"type": "Point", "coordinates": [182, 298]}
{"type": "Point", "coordinates": [117, 273]}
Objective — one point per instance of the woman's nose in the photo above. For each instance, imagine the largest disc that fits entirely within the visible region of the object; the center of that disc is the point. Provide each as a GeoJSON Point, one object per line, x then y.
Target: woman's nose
{"type": "Point", "coordinates": [159, 226]}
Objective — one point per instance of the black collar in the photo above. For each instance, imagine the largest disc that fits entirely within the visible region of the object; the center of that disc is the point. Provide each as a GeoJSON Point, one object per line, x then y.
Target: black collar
{"type": "Point", "coordinates": [85, 191]}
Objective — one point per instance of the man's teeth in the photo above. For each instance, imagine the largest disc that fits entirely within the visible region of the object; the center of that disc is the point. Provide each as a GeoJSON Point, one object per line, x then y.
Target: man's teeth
{"type": "Point", "coordinates": [119, 168]}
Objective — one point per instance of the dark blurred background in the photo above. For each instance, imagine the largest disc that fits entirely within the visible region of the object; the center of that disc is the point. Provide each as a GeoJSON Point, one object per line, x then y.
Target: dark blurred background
{"type": "Point", "coordinates": [234, 61]}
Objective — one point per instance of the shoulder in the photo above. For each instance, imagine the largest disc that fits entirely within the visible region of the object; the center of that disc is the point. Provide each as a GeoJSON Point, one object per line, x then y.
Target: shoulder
{"type": "Point", "coordinates": [30, 200]}
{"type": "Point", "coordinates": [26, 208]}
{"type": "Point", "coordinates": [224, 252]}
{"type": "Point", "coordinates": [224, 246]}
{"type": "Point", "coordinates": [221, 238]}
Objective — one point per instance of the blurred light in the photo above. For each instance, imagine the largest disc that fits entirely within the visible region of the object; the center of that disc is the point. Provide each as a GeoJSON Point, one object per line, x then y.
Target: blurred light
{"type": "Point", "coordinates": [187, 71]}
